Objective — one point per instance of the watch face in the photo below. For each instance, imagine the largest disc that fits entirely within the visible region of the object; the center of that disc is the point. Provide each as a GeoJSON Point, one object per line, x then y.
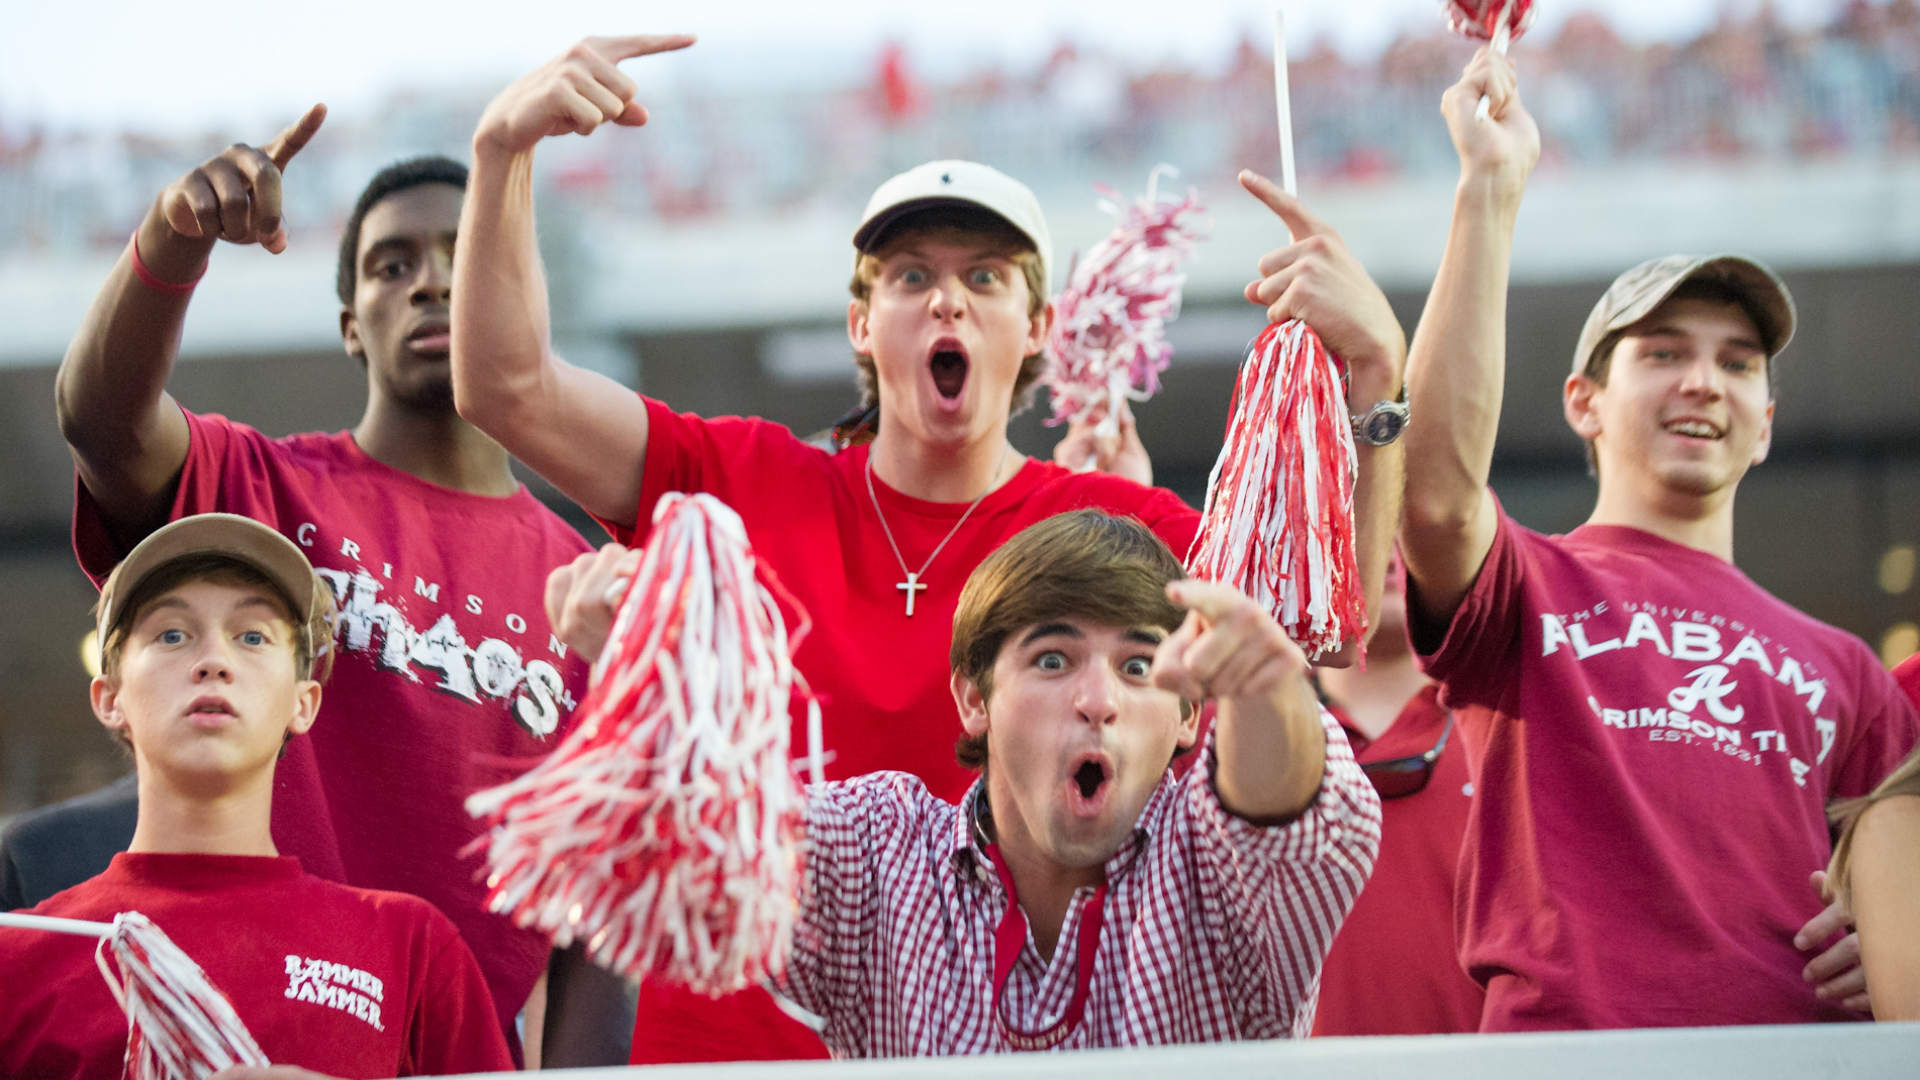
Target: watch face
{"type": "Point", "coordinates": [1383, 426]}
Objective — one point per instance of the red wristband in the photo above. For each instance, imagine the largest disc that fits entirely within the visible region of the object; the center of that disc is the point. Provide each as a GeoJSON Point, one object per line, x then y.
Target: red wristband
{"type": "Point", "coordinates": [146, 276]}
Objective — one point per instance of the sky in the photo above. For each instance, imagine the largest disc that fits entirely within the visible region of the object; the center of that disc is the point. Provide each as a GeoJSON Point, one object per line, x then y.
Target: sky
{"type": "Point", "coordinates": [142, 65]}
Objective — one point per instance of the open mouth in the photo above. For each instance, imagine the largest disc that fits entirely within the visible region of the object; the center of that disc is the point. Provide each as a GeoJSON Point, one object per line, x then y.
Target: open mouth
{"type": "Point", "coordinates": [210, 709]}
{"type": "Point", "coordinates": [1695, 429]}
{"type": "Point", "coordinates": [1090, 779]}
{"type": "Point", "coordinates": [948, 363]}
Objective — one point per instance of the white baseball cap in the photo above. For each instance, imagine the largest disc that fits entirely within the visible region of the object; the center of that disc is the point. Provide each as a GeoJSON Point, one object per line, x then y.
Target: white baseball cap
{"type": "Point", "coordinates": [966, 183]}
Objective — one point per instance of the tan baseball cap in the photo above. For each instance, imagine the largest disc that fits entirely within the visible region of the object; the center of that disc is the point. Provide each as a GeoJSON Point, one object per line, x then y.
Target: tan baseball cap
{"type": "Point", "coordinates": [954, 181]}
{"type": "Point", "coordinates": [231, 535]}
{"type": "Point", "coordinates": [1634, 294]}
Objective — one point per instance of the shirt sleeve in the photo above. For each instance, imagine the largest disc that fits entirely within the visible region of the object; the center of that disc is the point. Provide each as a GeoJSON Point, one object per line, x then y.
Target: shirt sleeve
{"type": "Point", "coordinates": [454, 1028]}
{"type": "Point", "coordinates": [1475, 657]}
{"type": "Point", "coordinates": [213, 477]}
{"type": "Point", "coordinates": [1882, 734]}
{"type": "Point", "coordinates": [1273, 897]}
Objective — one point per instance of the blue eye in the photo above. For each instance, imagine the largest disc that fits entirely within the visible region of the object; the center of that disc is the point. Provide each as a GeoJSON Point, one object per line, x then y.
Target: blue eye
{"type": "Point", "coordinates": [1137, 667]}
{"type": "Point", "coordinates": [1050, 661]}
{"type": "Point", "coordinates": [171, 637]}
{"type": "Point", "coordinates": [913, 276]}
{"type": "Point", "coordinates": [986, 276]}
{"type": "Point", "coordinates": [254, 637]}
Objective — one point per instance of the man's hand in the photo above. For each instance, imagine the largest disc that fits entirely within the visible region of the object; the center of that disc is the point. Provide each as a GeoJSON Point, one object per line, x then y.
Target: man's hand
{"type": "Point", "coordinates": [1835, 973]}
{"type": "Point", "coordinates": [271, 1072]}
{"type": "Point", "coordinates": [584, 595]}
{"type": "Point", "coordinates": [1317, 280]}
{"type": "Point", "coordinates": [1503, 148]}
{"type": "Point", "coordinates": [1087, 449]}
{"type": "Point", "coordinates": [235, 196]}
{"type": "Point", "coordinates": [575, 92]}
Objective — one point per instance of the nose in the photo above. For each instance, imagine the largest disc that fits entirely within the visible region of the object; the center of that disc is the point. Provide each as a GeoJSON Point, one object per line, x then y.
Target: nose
{"type": "Point", "coordinates": [433, 281]}
{"type": "Point", "coordinates": [213, 665]}
{"type": "Point", "coordinates": [1096, 695]}
{"type": "Point", "coordinates": [947, 299]}
{"type": "Point", "coordinates": [1702, 378]}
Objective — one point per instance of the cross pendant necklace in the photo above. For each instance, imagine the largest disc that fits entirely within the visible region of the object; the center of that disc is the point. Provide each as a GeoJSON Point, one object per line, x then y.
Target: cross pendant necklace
{"type": "Point", "coordinates": [913, 586]}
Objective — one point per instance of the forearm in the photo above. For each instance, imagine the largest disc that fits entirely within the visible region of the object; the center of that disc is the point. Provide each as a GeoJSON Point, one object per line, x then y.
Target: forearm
{"type": "Point", "coordinates": [110, 385]}
{"type": "Point", "coordinates": [501, 322]}
{"type": "Point", "coordinates": [1456, 366]}
{"type": "Point", "coordinates": [1270, 755]}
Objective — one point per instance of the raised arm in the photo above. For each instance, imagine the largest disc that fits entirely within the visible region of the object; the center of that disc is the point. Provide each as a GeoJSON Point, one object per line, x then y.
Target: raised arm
{"type": "Point", "coordinates": [1457, 364]}
{"type": "Point", "coordinates": [1270, 750]}
{"type": "Point", "coordinates": [1317, 280]}
{"type": "Point", "coordinates": [126, 434]}
{"type": "Point", "coordinates": [581, 430]}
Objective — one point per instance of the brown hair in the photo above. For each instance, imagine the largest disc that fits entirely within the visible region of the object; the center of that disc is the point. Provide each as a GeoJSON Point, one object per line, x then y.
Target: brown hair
{"type": "Point", "coordinates": [952, 222]}
{"type": "Point", "coordinates": [1600, 361]}
{"type": "Point", "coordinates": [1085, 564]}
{"type": "Point", "coordinates": [1903, 780]}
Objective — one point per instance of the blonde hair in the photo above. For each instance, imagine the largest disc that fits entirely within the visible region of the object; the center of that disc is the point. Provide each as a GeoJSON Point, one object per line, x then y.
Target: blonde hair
{"type": "Point", "coordinates": [1903, 780]}
{"type": "Point", "coordinates": [967, 224]}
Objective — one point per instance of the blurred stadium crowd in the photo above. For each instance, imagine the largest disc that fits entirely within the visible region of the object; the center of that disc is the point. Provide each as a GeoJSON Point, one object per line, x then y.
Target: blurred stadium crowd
{"type": "Point", "coordinates": [1747, 89]}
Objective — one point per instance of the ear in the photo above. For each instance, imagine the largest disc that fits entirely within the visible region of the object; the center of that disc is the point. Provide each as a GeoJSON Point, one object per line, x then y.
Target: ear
{"type": "Point", "coordinates": [1765, 441]}
{"type": "Point", "coordinates": [1189, 723]}
{"type": "Point", "coordinates": [105, 698]}
{"type": "Point", "coordinates": [1038, 328]}
{"type": "Point", "coordinates": [350, 334]}
{"type": "Point", "coordinates": [1580, 401]}
{"type": "Point", "coordinates": [306, 706]}
{"type": "Point", "coordinates": [857, 333]}
{"type": "Point", "coordinates": [972, 704]}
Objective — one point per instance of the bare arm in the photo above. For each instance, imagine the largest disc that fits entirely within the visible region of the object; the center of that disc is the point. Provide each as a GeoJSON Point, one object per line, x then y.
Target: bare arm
{"type": "Point", "coordinates": [1457, 364]}
{"type": "Point", "coordinates": [1317, 280]}
{"type": "Point", "coordinates": [126, 434]}
{"type": "Point", "coordinates": [1886, 904]}
{"type": "Point", "coordinates": [584, 432]}
{"type": "Point", "coordinates": [1270, 750]}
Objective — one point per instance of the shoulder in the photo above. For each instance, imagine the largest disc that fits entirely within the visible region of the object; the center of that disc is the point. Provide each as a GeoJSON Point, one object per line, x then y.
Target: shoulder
{"type": "Point", "coordinates": [1890, 828]}
{"type": "Point", "coordinates": [1056, 489]}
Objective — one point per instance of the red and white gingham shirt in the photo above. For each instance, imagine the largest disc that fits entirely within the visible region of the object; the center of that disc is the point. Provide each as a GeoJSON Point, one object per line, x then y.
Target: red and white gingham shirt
{"type": "Point", "coordinates": [1214, 929]}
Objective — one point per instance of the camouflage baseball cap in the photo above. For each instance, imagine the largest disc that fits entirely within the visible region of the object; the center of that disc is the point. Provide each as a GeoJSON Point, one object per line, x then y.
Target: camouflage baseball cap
{"type": "Point", "coordinates": [1634, 294]}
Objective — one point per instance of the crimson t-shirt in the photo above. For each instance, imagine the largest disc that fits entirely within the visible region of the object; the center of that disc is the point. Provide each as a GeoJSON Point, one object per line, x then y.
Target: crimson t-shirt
{"type": "Point", "coordinates": [1657, 740]}
{"type": "Point", "coordinates": [1394, 968]}
{"type": "Point", "coordinates": [1907, 674]}
{"type": "Point", "coordinates": [881, 677]}
{"type": "Point", "coordinates": [447, 678]}
{"type": "Point", "coordinates": [348, 982]}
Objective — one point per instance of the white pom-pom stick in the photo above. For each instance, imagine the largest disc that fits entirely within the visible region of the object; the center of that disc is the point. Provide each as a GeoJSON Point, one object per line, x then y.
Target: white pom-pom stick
{"type": "Point", "coordinates": [179, 1025]}
{"type": "Point", "coordinates": [1278, 522]}
{"type": "Point", "coordinates": [1496, 21]}
{"type": "Point", "coordinates": [664, 831]}
{"type": "Point", "coordinates": [1109, 344]}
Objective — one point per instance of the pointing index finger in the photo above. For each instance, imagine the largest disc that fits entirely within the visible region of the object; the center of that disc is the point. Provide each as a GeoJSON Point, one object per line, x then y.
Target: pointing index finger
{"type": "Point", "coordinates": [295, 137]}
{"type": "Point", "coordinates": [1291, 210]}
{"type": "Point", "coordinates": [1211, 600]}
{"type": "Point", "coordinates": [626, 48]}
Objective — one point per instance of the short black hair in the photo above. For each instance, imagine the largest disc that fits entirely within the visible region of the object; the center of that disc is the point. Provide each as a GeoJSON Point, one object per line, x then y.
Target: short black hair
{"type": "Point", "coordinates": [399, 176]}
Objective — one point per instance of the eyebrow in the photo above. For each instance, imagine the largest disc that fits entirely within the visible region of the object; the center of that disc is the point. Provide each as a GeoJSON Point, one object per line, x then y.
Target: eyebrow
{"type": "Point", "coordinates": [171, 602]}
{"type": "Point", "coordinates": [1138, 635]}
{"type": "Point", "coordinates": [407, 241]}
{"type": "Point", "coordinates": [1675, 332]}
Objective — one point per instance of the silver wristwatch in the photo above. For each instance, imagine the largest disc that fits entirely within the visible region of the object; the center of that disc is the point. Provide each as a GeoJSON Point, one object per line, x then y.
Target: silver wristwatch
{"type": "Point", "coordinates": [1384, 422]}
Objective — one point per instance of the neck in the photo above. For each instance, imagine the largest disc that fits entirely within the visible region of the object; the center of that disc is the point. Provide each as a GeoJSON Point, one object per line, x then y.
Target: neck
{"type": "Point", "coordinates": [181, 817]}
{"type": "Point", "coordinates": [436, 446]}
{"type": "Point", "coordinates": [1043, 886]}
{"type": "Point", "coordinates": [1702, 522]}
{"type": "Point", "coordinates": [941, 474]}
{"type": "Point", "coordinates": [1374, 698]}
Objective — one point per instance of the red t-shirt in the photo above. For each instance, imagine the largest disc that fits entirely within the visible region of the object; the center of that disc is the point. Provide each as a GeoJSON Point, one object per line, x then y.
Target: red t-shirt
{"type": "Point", "coordinates": [446, 680]}
{"type": "Point", "coordinates": [348, 982]}
{"type": "Point", "coordinates": [1394, 968]}
{"type": "Point", "coordinates": [881, 677]}
{"type": "Point", "coordinates": [1657, 739]}
{"type": "Point", "coordinates": [1907, 674]}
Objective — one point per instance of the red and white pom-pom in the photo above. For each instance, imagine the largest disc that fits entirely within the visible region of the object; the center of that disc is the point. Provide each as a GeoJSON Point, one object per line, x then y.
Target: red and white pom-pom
{"type": "Point", "coordinates": [179, 1025]}
{"type": "Point", "coordinates": [1278, 523]}
{"type": "Point", "coordinates": [1497, 21]}
{"type": "Point", "coordinates": [663, 831]}
{"type": "Point", "coordinates": [1109, 344]}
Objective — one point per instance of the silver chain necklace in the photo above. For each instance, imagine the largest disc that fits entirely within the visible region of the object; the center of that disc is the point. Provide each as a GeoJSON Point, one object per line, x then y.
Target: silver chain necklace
{"type": "Point", "coordinates": [913, 585]}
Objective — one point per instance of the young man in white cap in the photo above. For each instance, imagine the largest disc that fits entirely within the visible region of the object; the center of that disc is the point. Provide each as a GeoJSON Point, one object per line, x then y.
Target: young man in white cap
{"type": "Point", "coordinates": [949, 315]}
{"type": "Point", "coordinates": [215, 637]}
{"type": "Point", "coordinates": [1657, 738]}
